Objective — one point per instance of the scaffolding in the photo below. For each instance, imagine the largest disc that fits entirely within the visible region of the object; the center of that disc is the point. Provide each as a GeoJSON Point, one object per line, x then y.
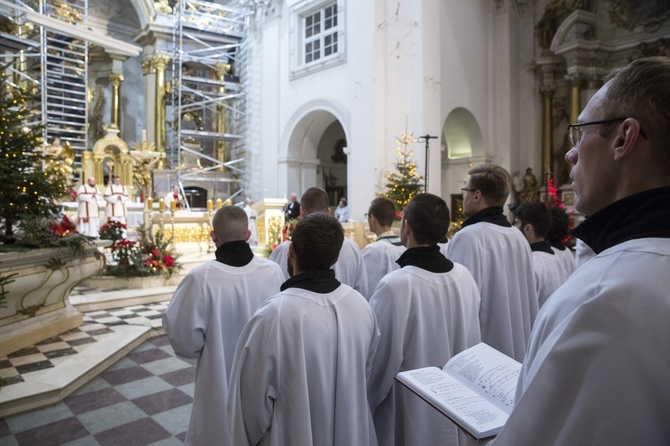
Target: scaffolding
{"type": "Point", "coordinates": [204, 141]}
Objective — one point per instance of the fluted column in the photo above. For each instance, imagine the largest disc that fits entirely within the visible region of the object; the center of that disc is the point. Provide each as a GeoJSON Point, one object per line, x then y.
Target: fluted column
{"type": "Point", "coordinates": [116, 80]}
{"type": "Point", "coordinates": [159, 64]}
{"type": "Point", "coordinates": [221, 122]}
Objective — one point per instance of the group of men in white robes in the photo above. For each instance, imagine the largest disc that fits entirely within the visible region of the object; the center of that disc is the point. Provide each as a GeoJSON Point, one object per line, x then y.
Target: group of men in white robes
{"type": "Point", "coordinates": [115, 196]}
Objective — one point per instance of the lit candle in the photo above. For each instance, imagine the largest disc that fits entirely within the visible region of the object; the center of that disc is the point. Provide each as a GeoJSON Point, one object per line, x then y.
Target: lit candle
{"type": "Point", "coordinates": [161, 205]}
{"type": "Point", "coordinates": [219, 203]}
{"type": "Point", "coordinates": [210, 205]}
{"type": "Point", "coordinates": [150, 203]}
{"type": "Point", "coordinates": [173, 206]}
{"type": "Point", "coordinates": [229, 202]}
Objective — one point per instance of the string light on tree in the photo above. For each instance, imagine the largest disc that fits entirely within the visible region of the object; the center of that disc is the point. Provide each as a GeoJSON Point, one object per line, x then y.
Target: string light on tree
{"type": "Point", "coordinates": [403, 184]}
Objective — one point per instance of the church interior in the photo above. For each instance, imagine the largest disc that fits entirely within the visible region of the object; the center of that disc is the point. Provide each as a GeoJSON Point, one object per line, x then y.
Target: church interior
{"type": "Point", "coordinates": [236, 100]}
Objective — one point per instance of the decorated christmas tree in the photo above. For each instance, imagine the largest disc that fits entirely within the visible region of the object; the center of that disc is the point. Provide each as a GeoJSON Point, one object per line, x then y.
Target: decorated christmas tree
{"type": "Point", "coordinates": [405, 182]}
{"type": "Point", "coordinates": [27, 191]}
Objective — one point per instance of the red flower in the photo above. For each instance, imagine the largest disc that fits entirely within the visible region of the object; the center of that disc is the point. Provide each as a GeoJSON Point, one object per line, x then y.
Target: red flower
{"type": "Point", "coordinates": [168, 260]}
{"type": "Point", "coordinates": [156, 254]}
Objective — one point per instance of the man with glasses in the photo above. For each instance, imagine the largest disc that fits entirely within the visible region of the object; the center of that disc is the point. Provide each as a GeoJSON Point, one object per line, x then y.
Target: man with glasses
{"type": "Point", "coordinates": [499, 259]}
{"type": "Point", "coordinates": [597, 365]}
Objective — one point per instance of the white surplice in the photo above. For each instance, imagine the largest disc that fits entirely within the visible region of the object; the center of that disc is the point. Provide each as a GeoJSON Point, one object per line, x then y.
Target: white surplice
{"type": "Point", "coordinates": [380, 259]}
{"type": "Point", "coordinates": [550, 273]}
{"type": "Point", "coordinates": [301, 370]}
{"type": "Point", "coordinates": [597, 366]}
{"type": "Point", "coordinates": [203, 320]}
{"type": "Point", "coordinates": [567, 260]}
{"type": "Point", "coordinates": [499, 259]}
{"type": "Point", "coordinates": [349, 268]}
{"type": "Point", "coordinates": [424, 318]}
{"type": "Point", "coordinates": [116, 196]}
{"type": "Point", "coordinates": [88, 213]}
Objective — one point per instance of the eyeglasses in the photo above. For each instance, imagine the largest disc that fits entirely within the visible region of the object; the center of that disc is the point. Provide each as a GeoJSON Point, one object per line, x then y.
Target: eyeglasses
{"type": "Point", "coordinates": [366, 215]}
{"type": "Point", "coordinates": [575, 132]}
{"type": "Point", "coordinates": [463, 189]}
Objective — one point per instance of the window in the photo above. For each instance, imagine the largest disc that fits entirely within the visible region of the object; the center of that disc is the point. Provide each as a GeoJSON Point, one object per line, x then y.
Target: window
{"type": "Point", "coordinates": [320, 34]}
{"type": "Point", "coordinates": [317, 36]}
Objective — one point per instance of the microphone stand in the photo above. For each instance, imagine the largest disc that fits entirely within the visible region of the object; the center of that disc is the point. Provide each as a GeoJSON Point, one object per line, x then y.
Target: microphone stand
{"type": "Point", "coordinates": [426, 138]}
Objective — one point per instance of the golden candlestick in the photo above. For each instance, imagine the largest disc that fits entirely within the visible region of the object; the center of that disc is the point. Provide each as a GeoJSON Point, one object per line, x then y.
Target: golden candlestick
{"type": "Point", "coordinates": [150, 204]}
{"type": "Point", "coordinates": [210, 205]}
{"type": "Point", "coordinates": [219, 203]}
{"type": "Point", "coordinates": [173, 206]}
{"type": "Point", "coordinates": [161, 205]}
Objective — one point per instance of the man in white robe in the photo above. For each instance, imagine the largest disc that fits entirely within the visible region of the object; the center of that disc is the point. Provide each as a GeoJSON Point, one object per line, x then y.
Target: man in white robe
{"type": "Point", "coordinates": [207, 313]}
{"type": "Point", "coordinates": [116, 196]}
{"type": "Point", "coordinates": [89, 214]}
{"type": "Point", "coordinates": [175, 196]}
{"type": "Point", "coordinates": [302, 363]}
{"type": "Point", "coordinates": [427, 312]}
{"type": "Point", "coordinates": [597, 366]}
{"type": "Point", "coordinates": [349, 268]}
{"type": "Point", "coordinates": [252, 215]}
{"type": "Point", "coordinates": [499, 259]}
{"type": "Point", "coordinates": [534, 222]}
{"type": "Point", "coordinates": [380, 256]}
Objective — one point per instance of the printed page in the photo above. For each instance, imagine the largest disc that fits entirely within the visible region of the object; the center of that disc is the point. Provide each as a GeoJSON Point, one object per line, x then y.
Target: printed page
{"type": "Point", "coordinates": [461, 403]}
{"type": "Point", "coordinates": [488, 371]}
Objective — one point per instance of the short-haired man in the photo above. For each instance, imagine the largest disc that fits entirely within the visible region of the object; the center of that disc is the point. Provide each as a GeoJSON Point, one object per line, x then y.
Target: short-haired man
{"type": "Point", "coordinates": [534, 222]}
{"type": "Point", "coordinates": [380, 256]}
{"type": "Point", "coordinates": [560, 230]}
{"type": "Point", "coordinates": [292, 208]}
{"type": "Point", "coordinates": [427, 312]}
{"type": "Point", "coordinates": [301, 366]}
{"type": "Point", "coordinates": [597, 365]}
{"type": "Point", "coordinates": [349, 268]}
{"type": "Point", "coordinates": [88, 213]}
{"type": "Point", "coordinates": [116, 196]}
{"type": "Point", "coordinates": [499, 259]}
{"type": "Point", "coordinates": [207, 313]}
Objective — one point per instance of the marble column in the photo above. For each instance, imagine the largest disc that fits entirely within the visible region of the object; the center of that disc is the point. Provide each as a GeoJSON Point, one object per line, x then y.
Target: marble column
{"type": "Point", "coordinates": [159, 64]}
{"type": "Point", "coordinates": [116, 80]}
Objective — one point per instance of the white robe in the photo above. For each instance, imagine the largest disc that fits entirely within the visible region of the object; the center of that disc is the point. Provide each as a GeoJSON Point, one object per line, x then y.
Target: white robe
{"type": "Point", "coordinates": [567, 260]}
{"type": "Point", "coordinates": [203, 320]}
{"type": "Point", "coordinates": [583, 253]}
{"type": "Point", "coordinates": [349, 268]}
{"type": "Point", "coordinates": [301, 370]}
{"type": "Point", "coordinates": [597, 366]}
{"type": "Point", "coordinates": [499, 259]}
{"type": "Point", "coordinates": [88, 213]}
{"type": "Point", "coordinates": [550, 273]}
{"type": "Point", "coordinates": [252, 216]}
{"type": "Point", "coordinates": [116, 197]}
{"type": "Point", "coordinates": [380, 259]}
{"type": "Point", "coordinates": [424, 318]}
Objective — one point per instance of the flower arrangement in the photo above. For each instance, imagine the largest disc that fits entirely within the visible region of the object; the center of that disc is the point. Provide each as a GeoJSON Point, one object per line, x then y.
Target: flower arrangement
{"type": "Point", "coordinates": [149, 255]}
{"type": "Point", "coordinates": [274, 235]}
{"type": "Point", "coordinates": [40, 231]}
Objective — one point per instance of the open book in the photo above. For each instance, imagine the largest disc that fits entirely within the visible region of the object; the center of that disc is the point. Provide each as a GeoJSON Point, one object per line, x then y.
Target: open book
{"type": "Point", "coordinates": [475, 389]}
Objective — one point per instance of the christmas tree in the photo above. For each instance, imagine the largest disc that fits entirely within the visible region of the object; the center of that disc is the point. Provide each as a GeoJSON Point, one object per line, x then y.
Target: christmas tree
{"type": "Point", "coordinates": [405, 182]}
{"type": "Point", "coordinates": [27, 191]}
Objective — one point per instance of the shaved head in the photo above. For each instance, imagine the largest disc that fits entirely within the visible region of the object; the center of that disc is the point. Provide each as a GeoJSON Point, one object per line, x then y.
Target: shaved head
{"type": "Point", "coordinates": [230, 225]}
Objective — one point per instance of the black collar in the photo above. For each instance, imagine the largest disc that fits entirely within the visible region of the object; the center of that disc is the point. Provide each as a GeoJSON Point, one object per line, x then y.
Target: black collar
{"type": "Point", "coordinates": [319, 281]}
{"type": "Point", "coordinates": [641, 215]}
{"type": "Point", "coordinates": [236, 253]}
{"type": "Point", "coordinates": [543, 246]}
{"type": "Point", "coordinates": [493, 215]}
{"type": "Point", "coordinates": [426, 257]}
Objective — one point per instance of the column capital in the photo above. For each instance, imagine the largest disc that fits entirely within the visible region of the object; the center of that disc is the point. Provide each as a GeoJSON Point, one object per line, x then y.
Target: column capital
{"type": "Point", "coordinates": [160, 61]}
{"type": "Point", "coordinates": [116, 79]}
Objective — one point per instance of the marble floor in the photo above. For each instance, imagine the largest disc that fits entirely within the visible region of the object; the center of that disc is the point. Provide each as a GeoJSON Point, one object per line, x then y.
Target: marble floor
{"type": "Point", "coordinates": [143, 399]}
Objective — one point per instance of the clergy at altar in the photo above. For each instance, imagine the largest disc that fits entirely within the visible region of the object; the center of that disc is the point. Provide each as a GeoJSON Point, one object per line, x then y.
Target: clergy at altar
{"type": "Point", "coordinates": [252, 215]}
{"type": "Point", "coordinates": [380, 256]}
{"type": "Point", "coordinates": [534, 222]}
{"type": "Point", "coordinates": [301, 365]}
{"type": "Point", "coordinates": [349, 268]}
{"type": "Point", "coordinates": [596, 371]}
{"type": "Point", "coordinates": [207, 313]}
{"type": "Point", "coordinates": [175, 196]}
{"type": "Point", "coordinates": [427, 312]}
{"type": "Point", "coordinates": [88, 213]}
{"type": "Point", "coordinates": [499, 259]}
{"type": "Point", "coordinates": [116, 196]}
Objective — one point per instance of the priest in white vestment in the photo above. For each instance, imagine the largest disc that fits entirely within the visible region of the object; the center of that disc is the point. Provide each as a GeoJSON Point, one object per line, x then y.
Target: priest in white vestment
{"type": "Point", "coordinates": [380, 257]}
{"type": "Point", "coordinates": [302, 363]}
{"type": "Point", "coordinates": [534, 222]}
{"type": "Point", "coordinates": [207, 313]}
{"type": "Point", "coordinates": [252, 215]}
{"type": "Point", "coordinates": [499, 259]}
{"type": "Point", "coordinates": [349, 268]}
{"type": "Point", "coordinates": [597, 366]}
{"type": "Point", "coordinates": [427, 312]}
{"type": "Point", "coordinates": [116, 196]}
{"type": "Point", "coordinates": [88, 213]}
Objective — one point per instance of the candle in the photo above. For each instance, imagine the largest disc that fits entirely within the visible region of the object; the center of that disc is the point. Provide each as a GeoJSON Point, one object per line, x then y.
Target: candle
{"type": "Point", "coordinates": [173, 205]}
{"type": "Point", "coordinates": [229, 202]}
{"type": "Point", "coordinates": [210, 205]}
{"type": "Point", "coordinates": [150, 203]}
{"type": "Point", "coordinates": [144, 135]}
{"type": "Point", "coordinates": [219, 203]}
{"type": "Point", "coordinates": [161, 205]}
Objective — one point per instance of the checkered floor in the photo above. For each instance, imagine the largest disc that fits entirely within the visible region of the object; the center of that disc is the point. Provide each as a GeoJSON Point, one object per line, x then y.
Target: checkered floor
{"type": "Point", "coordinates": [16, 367]}
{"type": "Point", "coordinates": [143, 399]}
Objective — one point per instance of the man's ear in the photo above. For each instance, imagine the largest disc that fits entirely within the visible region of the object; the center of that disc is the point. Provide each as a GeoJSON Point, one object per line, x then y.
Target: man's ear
{"type": "Point", "coordinates": [246, 239]}
{"type": "Point", "coordinates": [291, 250]}
{"type": "Point", "coordinates": [626, 138]}
{"type": "Point", "coordinates": [406, 228]}
{"type": "Point", "coordinates": [212, 234]}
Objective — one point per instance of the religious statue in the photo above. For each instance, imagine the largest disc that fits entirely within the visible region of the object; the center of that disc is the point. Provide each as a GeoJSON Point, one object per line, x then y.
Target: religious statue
{"type": "Point", "coordinates": [526, 186]}
{"type": "Point", "coordinates": [144, 162]}
{"type": "Point", "coordinates": [59, 158]}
